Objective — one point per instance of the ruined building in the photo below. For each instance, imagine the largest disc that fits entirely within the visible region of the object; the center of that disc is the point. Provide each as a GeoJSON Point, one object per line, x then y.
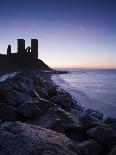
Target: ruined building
{"type": "Point", "coordinates": [24, 58]}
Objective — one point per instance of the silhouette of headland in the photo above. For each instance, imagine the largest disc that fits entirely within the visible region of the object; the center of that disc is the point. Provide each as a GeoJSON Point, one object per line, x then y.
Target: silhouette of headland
{"type": "Point", "coordinates": [24, 58]}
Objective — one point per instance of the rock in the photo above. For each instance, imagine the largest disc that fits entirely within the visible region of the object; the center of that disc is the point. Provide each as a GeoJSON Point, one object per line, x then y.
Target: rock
{"type": "Point", "coordinates": [41, 91]}
{"type": "Point", "coordinates": [7, 113]}
{"type": "Point", "coordinates": [104, 136]}
{"type": "Point", "coordinates": [44, 105]}
{"type": "Point", "coordinates": [76, 133]}
{"type": "Point", "coordinates": [94, 113]}
{"type": "Point", "coordinates": [113, 151]}
{"type": "Point", "coordinates": [3, 93]}
{"type": "Point", "coordinates": [23, 139]}
{"type": "Point", "coordinates": [34, 107]}
{"type": "Point", "coordinates": [58, 126]}
{"type": "Point", "coordinates": [22, 84]}
{"type": "Point", "coordinates": [88, 121]}
{"type": "Point", "coordinates": [64, 101]}
{"type": "Point", "coordinates": [16, 98]}
{"type": "Point", "coordinates": [57, 113]}
{"type": "Point", "coordinates": [52, 91]}
{"type": "Point", "coordinates": [33, 93]}
{"type": "Point", "coordinates": [110, 122]}
{"type": "Point", "coordinates": [29, 110]}
{"type": "Point", "coordinates": [90, 147]}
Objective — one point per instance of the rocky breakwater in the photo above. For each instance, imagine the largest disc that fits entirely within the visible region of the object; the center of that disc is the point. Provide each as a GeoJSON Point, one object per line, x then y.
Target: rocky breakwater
{"type": "Point", "coordinates": [39, 118]}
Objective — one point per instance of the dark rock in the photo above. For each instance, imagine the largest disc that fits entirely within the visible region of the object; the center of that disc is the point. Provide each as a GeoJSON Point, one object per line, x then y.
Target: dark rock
{"type": "Point", "coordinates": [110, 122]}
{"type": "Point", "coordinates": [58, 126]}
{"type": "Point", "coordinates": [90, 147]}
{"type": "Point", "coordinates": [33, 93]}
{"type": "Point", "coordinates": [34, 107]}
{"type": "Point", "coordinates": [57, 113]}
{"type": "Point", "coordinates": [88, 121]}
{"type": "Point", "coordinates": [3, 93]}
{"type": "Point", "coordinates": [94, 113]}
{"type": "Point", "coordinates": [104, 136]}
{"type": "Point", "coordinates": [64, 101]}
{"type": "Point", "coordinates": [41, 91]}
{"type": "Point", "coordinates": [23, 139]}
{"type": "Point", "coordinates": [44, 105]}
{"type": "Point", "coordinates": [76, 133]}
{"type": "Point", "coordinates": [29, 110]}
{"type": "Point", "coordinates": [16, 98]}
{"type": "Point", "coordinates": [7, 113]}
{"type": "Point", "coordinates": [52, 91]}
{"type": "Point", "coordinates": [113, 151]}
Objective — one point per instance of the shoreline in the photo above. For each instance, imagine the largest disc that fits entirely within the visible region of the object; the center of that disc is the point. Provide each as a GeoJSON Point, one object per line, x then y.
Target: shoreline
{"type": "Point", "coordinates": [33, 99]}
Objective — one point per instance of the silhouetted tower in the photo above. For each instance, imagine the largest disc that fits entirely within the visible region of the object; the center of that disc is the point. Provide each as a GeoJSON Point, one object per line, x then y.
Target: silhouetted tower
{"type": "Point", "coordinates": [9, 50]}
{"type": "Point", "coordinates": [34, 48]}
{"type": "Point", "coordinates": [21, 46]}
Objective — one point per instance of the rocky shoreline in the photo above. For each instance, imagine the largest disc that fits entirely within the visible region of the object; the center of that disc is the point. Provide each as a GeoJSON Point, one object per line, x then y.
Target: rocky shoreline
{"type": "Point", "coordinates": [39, 118]}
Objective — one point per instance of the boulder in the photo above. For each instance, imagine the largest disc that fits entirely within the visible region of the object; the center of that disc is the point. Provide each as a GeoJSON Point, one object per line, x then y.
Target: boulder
{"type": "Point", "coordinates": [23, 139]}
{"type": "Point", "coordinates": [110, 122]}
{"type": "Point", "coordinates": [58, 126]}
{"type": "Point", "coordinates": [113, 151]}
{"type": "Point", "coordinates": [29, 110]}
{"type": "Point", "coordinates": [52, 91]}
{"type": "Point", "coordinates": [53, 114]}
{"type": "Point", "coordinates": [7, 113]}
{"type": "Point", "coordinates": [16, 98]}
{"type": "Point", "coordinates": [94, 113]}
{"type": "Point", "coordinates": [88, 121]}
{"type": "Point", "coordinates": [3, 93]}
{"type": "Point", "coordinates": [44, 104]}
{"type": "Point", "coordinates": [76, 133]}
{"type": "Point", "coordinates": [41, 91]}
{"type": "Point", "coordinates": [64, 101]}
{"type": "Point", "coordinates": [104, 136]}
{"type": "Point", "coordinates": [90, 147]}
{"type": "Point", "coordinates": [34, 107]}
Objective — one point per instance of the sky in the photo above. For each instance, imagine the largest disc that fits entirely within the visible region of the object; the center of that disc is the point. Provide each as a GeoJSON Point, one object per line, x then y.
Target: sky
{"type": "Point", "coordinates": [71, 33]}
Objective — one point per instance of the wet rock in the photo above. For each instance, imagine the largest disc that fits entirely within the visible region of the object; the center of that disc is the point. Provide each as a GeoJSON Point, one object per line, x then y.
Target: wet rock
{"type": "Point", "coordinates": [3, 93]}
{"type": "Point", "coordinates": [104, 136]}
{"type": "Point", "coordinates": [76, 133]}
{"type": "Point", "coordinates": [57, 113]}
{"type": "Point", "coordinates": [23, 84]}
{"type": "Point", "coordinates": [29, 110]}
{"type": "Point", "coordinates": [90, 147]}
{"type": "Point", "coordinates": [94, 113]}
{"type": "Point", "coordinates": [7, 113]}
{"type": "Point", "coordinates": [87, 121]}
{"type": "Point", "coordinates": [111, 122]}
{"type": "Point", "coordinates": [64, 101]}
{"type": "Point", "coordinates": [58, 126]}
{"type": "Point", "coordinates": [19, 138]}
{"type": "Point", "coordinates": [34, 107]}
{"type": "Point", "coordinates": [44, 105]}
{"type": "Point", "coordinates": [52, 91]}
{"type": "Point", "coordinates": [41, 91]}
{"type": "Point", "coordinates": [16, 98]}
{"type": "Point", "coordinates": [113, 151]}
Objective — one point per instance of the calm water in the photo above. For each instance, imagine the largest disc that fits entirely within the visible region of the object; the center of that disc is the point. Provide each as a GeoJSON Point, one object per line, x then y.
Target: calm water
{"type": "Point", "coordinates": [95, 89]}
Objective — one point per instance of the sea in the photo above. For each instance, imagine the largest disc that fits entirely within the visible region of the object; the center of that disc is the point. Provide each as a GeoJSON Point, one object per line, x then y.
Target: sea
{"type": "Point", "coordinates": [92, 88]}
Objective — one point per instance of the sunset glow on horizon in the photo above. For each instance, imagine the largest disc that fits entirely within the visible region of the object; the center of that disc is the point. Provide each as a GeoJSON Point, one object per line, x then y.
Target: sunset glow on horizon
{"type": "Point", "coordinates": [71, 33]}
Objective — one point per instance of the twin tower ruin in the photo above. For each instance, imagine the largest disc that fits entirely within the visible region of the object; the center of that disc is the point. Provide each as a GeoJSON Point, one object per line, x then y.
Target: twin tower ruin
{"type": "Point", "coordinates": [22, 51]}
{"type": "Point", "coordinates": [24, 58]}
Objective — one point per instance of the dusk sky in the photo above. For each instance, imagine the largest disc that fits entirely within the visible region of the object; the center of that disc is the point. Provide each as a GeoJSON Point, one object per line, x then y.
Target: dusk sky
{"type": "Point", "coordinates": [71, 33]}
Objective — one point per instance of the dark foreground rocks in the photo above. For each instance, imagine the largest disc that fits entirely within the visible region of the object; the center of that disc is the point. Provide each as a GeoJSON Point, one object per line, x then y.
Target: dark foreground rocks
{"type": "Point", "coordinates": [23, 139]}
{"type": "Point", "coordinates": [39, 118]}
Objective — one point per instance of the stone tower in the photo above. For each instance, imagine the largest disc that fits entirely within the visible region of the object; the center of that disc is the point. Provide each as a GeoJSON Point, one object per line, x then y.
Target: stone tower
{"type": "Point", "coordinates": [21, 46]}
{"type": "Point", "coordinates": [34, 48]}
{"type": "Point", "coordinates": [9, 50]}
